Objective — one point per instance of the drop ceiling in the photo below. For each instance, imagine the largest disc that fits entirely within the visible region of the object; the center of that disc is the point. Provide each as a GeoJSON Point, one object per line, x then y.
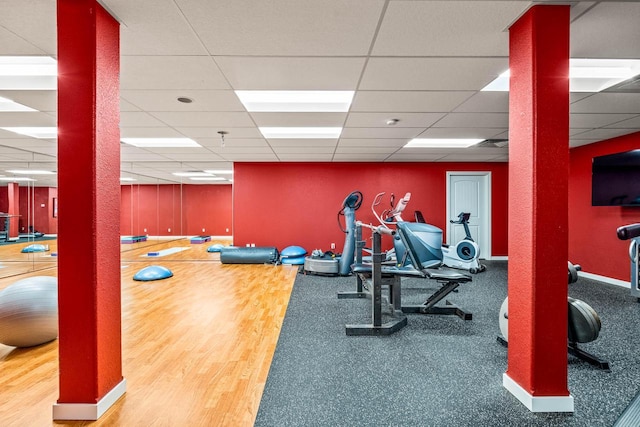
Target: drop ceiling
{"type": "Point", "coordinates": [420, 62]}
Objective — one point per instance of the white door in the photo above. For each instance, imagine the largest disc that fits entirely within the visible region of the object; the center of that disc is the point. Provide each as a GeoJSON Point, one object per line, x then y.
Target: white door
{"type": "Point", "coordinates": [470, 192]}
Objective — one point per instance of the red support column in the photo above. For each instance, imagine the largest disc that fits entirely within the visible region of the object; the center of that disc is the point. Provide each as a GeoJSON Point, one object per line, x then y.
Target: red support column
{"type": "Point", "coordinates": [89, 195]}
{"type": "Point", "coordinates": [13, 210]}
{"type": "Point", "coordinates": [538, 219]}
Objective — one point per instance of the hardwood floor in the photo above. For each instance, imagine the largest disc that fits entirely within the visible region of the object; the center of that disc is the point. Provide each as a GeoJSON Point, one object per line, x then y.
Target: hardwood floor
{"type": "Point", "coordinates": [196, 347]}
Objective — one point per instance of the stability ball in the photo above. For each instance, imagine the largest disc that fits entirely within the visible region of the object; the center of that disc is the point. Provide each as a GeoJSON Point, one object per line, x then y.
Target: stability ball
{"type": "Point", "coordinates": [29, 312]}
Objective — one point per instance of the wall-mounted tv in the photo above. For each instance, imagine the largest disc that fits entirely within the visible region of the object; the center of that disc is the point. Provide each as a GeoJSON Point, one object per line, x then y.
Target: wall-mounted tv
{"type": "Point", "coordinates": [615, 179]}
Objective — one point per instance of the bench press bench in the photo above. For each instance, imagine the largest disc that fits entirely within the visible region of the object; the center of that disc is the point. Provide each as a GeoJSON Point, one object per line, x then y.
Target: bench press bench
{"type": "Point", "coordinates": [423, 257]}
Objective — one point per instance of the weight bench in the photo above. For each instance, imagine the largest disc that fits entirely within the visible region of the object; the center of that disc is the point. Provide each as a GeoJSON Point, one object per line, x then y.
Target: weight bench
{"type": "Point", "coordinates": [423, 263]}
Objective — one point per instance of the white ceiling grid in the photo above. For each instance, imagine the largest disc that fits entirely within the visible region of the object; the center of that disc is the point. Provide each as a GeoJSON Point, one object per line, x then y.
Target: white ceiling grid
{"type": "Point", "coordinates": [422, 62]}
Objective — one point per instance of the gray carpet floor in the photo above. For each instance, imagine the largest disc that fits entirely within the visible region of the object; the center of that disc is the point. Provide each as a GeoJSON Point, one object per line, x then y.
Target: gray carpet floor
{"type": "Point", "coordinates": [438, 370]}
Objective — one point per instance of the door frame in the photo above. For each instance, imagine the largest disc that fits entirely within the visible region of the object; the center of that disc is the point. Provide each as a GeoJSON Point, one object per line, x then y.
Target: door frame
{"type": "Point", "coordinates": [485, 245]}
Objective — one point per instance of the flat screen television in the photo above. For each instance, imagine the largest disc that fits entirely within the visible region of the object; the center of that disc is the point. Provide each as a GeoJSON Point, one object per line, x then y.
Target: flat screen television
{"type": "Point", "coordinates": [615, 179]}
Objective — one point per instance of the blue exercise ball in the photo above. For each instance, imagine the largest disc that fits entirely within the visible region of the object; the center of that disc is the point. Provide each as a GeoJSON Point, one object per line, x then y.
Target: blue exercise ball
{"type": "Point", "coordinates": [29, 312]}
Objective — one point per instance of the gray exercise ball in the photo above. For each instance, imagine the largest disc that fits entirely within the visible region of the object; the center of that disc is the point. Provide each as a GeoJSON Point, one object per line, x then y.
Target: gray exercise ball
{"type": "Point", "coordinates": [29, 312]}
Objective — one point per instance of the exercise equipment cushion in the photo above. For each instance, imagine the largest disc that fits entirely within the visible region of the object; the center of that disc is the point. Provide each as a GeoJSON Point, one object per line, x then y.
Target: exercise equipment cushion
{"type": "Point", "coordinates": [293, 261]}
{"type": "Point", "coordinates": [244, 255]}
{"type": "Point", "coordinates": [215, 248]}
{"type": "Point", "coordinates": [29, 312]}
{"type": "Point", "coordinates": [34, 248]}
{"type": "Point", "coordinates": [293, 252]}
{"type": "Point", "coordinates": [153, 272]}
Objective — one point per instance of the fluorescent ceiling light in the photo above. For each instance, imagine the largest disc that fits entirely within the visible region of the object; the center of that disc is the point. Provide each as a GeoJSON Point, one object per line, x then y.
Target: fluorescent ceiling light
{"type": "Point", "coordinates": [160, 142]}
{"type": "Point", "coordinates": [296, 100]}
{"type": "Point", "coordinates": [585, 75]}
{"type": "Point", "coordinates": [442, 142]}
{"type": "Point", "coordinates": [207, 178]}
{"type": "Point", "coordinates": [35, 132]}
{"type": "Point", "coordinates": [126, 178]}
{"type": "Point", "coordinates": [31, 172]}
{"type": "Point", "coordinates": [7, 105]}
{"type": "Point", "coordinates": [28, 73]}
{"type": "Point", "coordinates": [293, 132]}
{"type": "Point", "coordinates": [190, 174]}
{"type": "Point", "coordinates": [220, 172]}
{"type": "Point", "coordinates": [15, 178]}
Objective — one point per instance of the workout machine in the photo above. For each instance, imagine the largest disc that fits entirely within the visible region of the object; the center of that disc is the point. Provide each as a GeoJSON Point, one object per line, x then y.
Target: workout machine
{"type": "Point", "coordinates": [422, 243]}
{"type": "Point", "coordinates": [465, 254]}
{"type": "Point", "coordinates": [584, 325]}
{"type": "Point", "coordinates": [391, 217]}
{"type": "Point", "coordinates": [632, 232]}
{"type": "Point", "coordinates": [326, 264]}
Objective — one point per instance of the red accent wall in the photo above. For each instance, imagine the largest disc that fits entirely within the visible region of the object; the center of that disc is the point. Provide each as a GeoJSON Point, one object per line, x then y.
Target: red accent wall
{"type": "Point", "coordinates": [284, 204]}
{"type": "Point", "coordinates": [592, 229]}
{"type": "Point", "coordinates": [185, 210]}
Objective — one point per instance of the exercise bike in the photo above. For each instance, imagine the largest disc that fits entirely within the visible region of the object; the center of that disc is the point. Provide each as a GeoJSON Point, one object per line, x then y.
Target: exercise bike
{"type": "Point", "coordinates": [465, 254]}
{"type": "Point", "coordinates": [584, 325]}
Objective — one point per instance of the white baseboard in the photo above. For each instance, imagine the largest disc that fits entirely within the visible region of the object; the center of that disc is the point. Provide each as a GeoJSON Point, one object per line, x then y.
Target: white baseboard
{"type": "Point", "coordinates": [89, 411]}
{"type": "Point", "coordinates": [498, 258]}
{"type": "Point", "coordinates": [604, 279]}
{"type": "Point", "coordinates": [538, 404]}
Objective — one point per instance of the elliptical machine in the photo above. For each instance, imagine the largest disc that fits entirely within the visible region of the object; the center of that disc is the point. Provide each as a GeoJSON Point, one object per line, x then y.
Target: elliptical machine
{"type": "Point", "coordinates": [322, 263]}
{"type": "Point", "coordinates": [465, 254]}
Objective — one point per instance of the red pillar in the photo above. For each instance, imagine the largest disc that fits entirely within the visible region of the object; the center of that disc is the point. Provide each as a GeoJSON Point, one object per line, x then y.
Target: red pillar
{"type": "Point", "coordinates": [538, 219]}
{"type": "Point", "coordinates": [13, 210]}
{"type": "Point", "coordinates": [89, 195]}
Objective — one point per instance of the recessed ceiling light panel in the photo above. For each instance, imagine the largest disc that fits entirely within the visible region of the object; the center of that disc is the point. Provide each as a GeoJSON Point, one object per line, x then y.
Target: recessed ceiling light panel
{"type": "Point", "coordinates": [160, 142]}
{"type": "Point", "coordinates": [31, 172]}
{"type": "Point", "coordinates": [28, 73]}
{"type": "Point", "coordinates": [301, 132]}
{"type": "Point", "coordinates": [442, 142]}
{"type": "Point", "coordinates": [34, 132]}
{"type": "Point", "coordinates": [296, 100]}
{"type": "Point", "coordinates": [585, 75]}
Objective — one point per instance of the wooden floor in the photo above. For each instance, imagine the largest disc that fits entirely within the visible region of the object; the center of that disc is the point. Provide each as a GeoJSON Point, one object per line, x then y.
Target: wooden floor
{"type": "Point", "coordinates": [196, 347]}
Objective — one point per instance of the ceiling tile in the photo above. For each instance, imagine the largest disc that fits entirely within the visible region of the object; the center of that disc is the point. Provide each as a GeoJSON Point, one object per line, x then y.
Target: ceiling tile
{"type": "Point", "coordinates": [284, 27]}
{"type": "Point", "coordinates": [431, 73]}
{"type": "Point", "coordinates": [310, 157]}
{"type": "Point", "coordinates": [291, 73]}
{"type": "Point", "coordinates": [299, 119]}
{"type": "Point", "coordinates": [149, 132]}
{"type": "Point", "coordinates": [41, 100]}
{"type": "Point", "coordinates": [204, 119]}
{"type": "Point", "coordinates": [155, 27]}
{"type": "Point", "coordinates": [278, 143]}
{"type": "Point", "coordinates": [474, 120]}
{"type": "Point", "coordinates": [138, 119]}
{"type": "Point", "coordinates": [590, 121]}
{"type": "Point", "coordinates": [454, 132]}
{"type": "Point", "coordinates": [485, 102]}
{"type": "Point", "coordinates": [360, 157]}
{"type": "Point", "coordinates": [32, 118]}
{"type": "Point", "coordinates": [608, 30]}
{"type": "Point", "coordinates": [167, 100]}
{"type": "Point", "coordinates": [233, 142]}
{"type": "Point", "coordinates": [417, 28]}
{"type": "Point", "coordinates": [29, 28]}
{"type": "Point", "coordinates": [388, 132]}
{"type": "Point", "coordinates": [379, 120]}
{"type": "Point", "coordinates": [601, 134]}
{"type": "Point", "coordinates": [170, 72]}
{"type": "Point", "coordinates": [408, 101]}
{"type": "Point", "coordinates": [633, 123]}
{"type": "Point", "coordinates": [608, 103]}
{"type": "Point", "coordinates": [372, 142]}
{"type": "Point", "coordinates": [212, 132]}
